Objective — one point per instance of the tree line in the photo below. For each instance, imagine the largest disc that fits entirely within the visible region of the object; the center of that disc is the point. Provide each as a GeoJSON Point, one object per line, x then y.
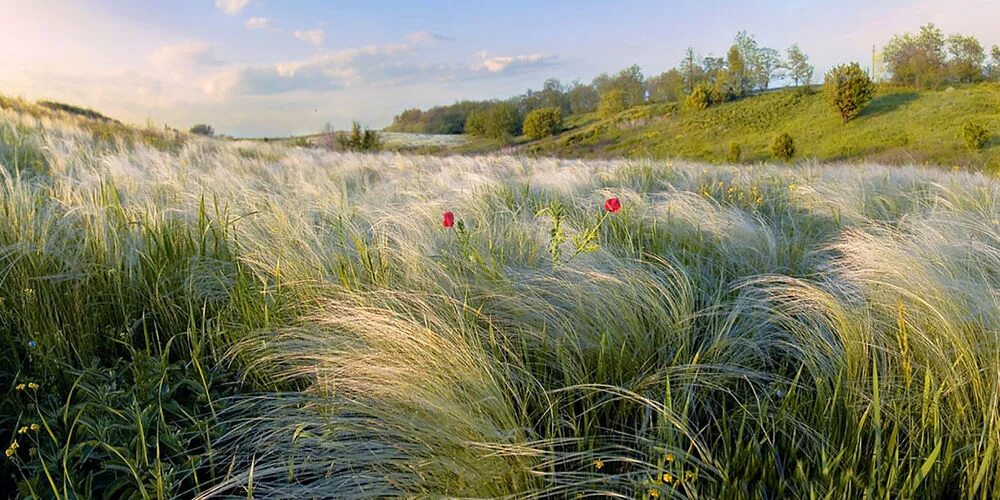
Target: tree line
{"type": "Point", "coordinates": [927, 59]}
{"type": "Point", "coordinates": [747, 67]}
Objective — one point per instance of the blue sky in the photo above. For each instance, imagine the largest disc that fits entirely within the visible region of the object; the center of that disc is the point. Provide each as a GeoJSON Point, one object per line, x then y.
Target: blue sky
{"type": "Point", "coordinates": [255, 67]}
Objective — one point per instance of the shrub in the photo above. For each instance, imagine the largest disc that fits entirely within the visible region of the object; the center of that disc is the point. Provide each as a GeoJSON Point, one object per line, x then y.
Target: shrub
{"type": "Point", "coordinates": [612, 103]}
{"type": "Point", "coordinates": [360, 140]}
{"type": "Point", "coordinates": [202, 129]}
{"type": "Point", "coordinates": [735, 153]}
{"type": "Point", "coordinates": [848, 89]}
{"type": "Point", "coordinates": [783, 147]}
{"type": "Point", "coordinates": [702, 96]}
{"type": "Point", "coordinates": [543, 122]}
{"type": "Point", "coordinates": [976, 136]}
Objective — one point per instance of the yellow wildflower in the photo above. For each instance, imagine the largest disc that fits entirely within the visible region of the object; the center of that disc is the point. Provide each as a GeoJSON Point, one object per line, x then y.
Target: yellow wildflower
{"type": "Point", "coordinates": [9, 452]}
{"type": "Point", "coordinates": [668, 478]}
{"type": "Point", "coordinates": [33, 386]}
{"type": "Point", "coordinates": [14, 445]}
{"type": "Point", "coordinates": [669, 458]}
{"type": "Point", "coordinates": [22, 430]}
{"type": "Point", "coordinates": [20, 387]}
{"type": "Point", "coordinates": [654, 493]}
{"type": "Point", "coordinates": [598, 464]}
{"type": "Point", "coordinates": [791, 187]}
{"type": "Point", "coordinates": [35, 427]}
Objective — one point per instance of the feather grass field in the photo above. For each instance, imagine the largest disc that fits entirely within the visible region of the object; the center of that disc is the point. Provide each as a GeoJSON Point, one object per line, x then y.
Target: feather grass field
{"type": "Point", "coordinates": [223, 319]}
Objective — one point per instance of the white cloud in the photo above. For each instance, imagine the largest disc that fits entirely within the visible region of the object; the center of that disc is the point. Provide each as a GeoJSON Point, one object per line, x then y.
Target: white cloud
{"type": "Point", "coordinates": [425, 37]}
{"type": "Point", "coordinates": [185, 55]}
{"type": "Point", "coordinates": [231, 7]}
{"type": "Point", "coordinates": [314, 37]}
{"type": "Point", "coordinates": [504, 64]}
{"type": "Point", "coordinates": [257, 23]}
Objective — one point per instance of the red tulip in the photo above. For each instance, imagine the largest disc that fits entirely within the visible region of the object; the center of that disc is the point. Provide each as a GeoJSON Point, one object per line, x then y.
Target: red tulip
{"type": "Point", "coordinates": [612, 205]}
{"type": "Point", "coordinates": [449, 219]}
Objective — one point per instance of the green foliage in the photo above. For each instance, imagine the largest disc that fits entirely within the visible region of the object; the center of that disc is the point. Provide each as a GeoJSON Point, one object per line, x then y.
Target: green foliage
{"type": "Point", "coordinates": [501, 122]}
{"type": "Point", "coordinates": [732, 332]}
{"type": "Point", "coordinates": [667, 87]}
{"type": "Point", "coordinates": [928, 59]}
{"type": "Point", "coordinates": [798, 67]}
{"type": "Point", "coordinates": [629, 82]}
{"type": "Point", "coordinates": [612, 103]}
{"type": "Point", "coordinates": [783, 147]}
{"type": "Point", "coordinates": [700, 98]}
{"type": "Point", "coordinates": [543, 122]}
{"type": "Point", "coordinates": [202, 129]}
{"type": "Point", "coordinates": [735, 154]}
{"type": "Point", "coordinates": [900, 126]}
{"type": "Point", "coordinates": [848, 90]}
{"type": "Point", "coordinates": [975, 135]}
{"type": "Point", "coordinates": [366, 140]}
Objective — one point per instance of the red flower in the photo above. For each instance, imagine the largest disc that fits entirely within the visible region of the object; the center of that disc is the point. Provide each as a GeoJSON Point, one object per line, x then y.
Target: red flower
{"type": "Point", "coordinates": [449, 219]}
{"type": "Point", "coordinates": [612, 205]}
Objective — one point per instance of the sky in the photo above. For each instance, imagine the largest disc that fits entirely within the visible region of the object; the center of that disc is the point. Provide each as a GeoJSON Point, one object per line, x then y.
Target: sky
{"type": "Point", "coordinates": [284, 67]}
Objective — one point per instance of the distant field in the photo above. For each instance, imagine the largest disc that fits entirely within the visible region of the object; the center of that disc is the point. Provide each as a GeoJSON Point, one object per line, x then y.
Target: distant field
{"type": "Point", "coordinates": [901, 126]}
{"type": "Point", "coordinates": [192, 317]}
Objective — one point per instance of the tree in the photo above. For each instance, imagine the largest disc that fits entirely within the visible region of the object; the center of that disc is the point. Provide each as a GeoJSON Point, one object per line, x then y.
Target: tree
{"type": "Point", "coordinates": [797, 64]}
{"type": "Point", "coordinates": [202, 129]}
{"type": "Point", "coordinates": [543, 122]}
{"type": "Point", "coordinates": [359, 140]}
{"type": "Point", "coordinates": [667, 87]}
{"type": "Point", "coordinates": [475, 123]}
{"type": "Point", "coordinates": [502, 122]}
{"type": "Point", "coordinates": [612, 103]}
{"type": "Point", "coordinates": [994, 72]}
{"type": "Point", "coordinates": [916, 60]}
{"type": "Point", "coordinates": [691, 71]}
{"type": "Point", "coordinates": [966, 60]}
{"type": "Point", "coordinates": [737, 82]}
{"type": "Point", "coordinates": [848, 90]}
{"type": "Point", "coordinates": [582, 98]}
{"type": "Point", "coordinates": [629, 81]}
{"type": "Point", "coordinates": [632, 85]}
{"type": "Point", "coordinates": [783, 147]}
{"type": "Point", "coordinates": [327, 138]}
{"type": "Point", "coordinates": [767, 64]}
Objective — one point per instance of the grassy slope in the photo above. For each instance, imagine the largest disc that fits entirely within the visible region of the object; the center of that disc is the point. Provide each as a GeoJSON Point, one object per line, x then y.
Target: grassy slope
{"type": "Point", "coordinates": [746, 332]}
{"type": "Point", "coordinates": [901, 126]}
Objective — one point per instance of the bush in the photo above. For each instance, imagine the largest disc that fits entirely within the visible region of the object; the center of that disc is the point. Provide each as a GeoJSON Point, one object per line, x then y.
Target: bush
{"type": "Point", "coordinates": [202, 129]}
{"type": "Point", "coordinates": [848, 89]}
{"type": "Point", "coordinates": [703, 96]}
{"type": "Point", "coordinates": [360, 140]}
{"type": "Point", "coordinates": [612, 103]}
{"type": "Point", "coordinates": [543, 122]}
{"type": "Point", "coordinates": [976, 136]}
{"type": "Point", "coordinates": [735, 153]}
{"type": "Point", "coordinates": [783, 147]}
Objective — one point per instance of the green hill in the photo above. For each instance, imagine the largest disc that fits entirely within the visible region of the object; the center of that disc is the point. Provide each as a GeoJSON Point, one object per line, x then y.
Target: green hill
{"type": "Point", "coordinates": [900, 126]}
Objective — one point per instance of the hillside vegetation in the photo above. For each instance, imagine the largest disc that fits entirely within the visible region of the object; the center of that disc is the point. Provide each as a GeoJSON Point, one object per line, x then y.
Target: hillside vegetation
{"type": "Point", "coordinates": [900, 126]}
{"type": "Point", "coordinates": [242, 319]}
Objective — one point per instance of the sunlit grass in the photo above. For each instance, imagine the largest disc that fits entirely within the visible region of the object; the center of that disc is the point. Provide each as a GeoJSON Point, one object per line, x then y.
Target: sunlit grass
{"type": "Point", "coordinates": [243, 319]}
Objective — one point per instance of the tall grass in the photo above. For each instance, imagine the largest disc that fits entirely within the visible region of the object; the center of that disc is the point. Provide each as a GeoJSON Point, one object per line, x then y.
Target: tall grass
{"type": "Point", "coordinates": [249, 320]}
